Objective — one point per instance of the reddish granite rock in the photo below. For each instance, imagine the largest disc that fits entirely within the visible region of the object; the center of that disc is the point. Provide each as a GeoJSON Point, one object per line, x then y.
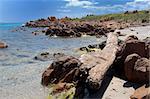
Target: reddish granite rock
{"type": "Point", "coordinates": [61, 70]}
{"type": "Point", "coordinates": [132, 45]}
{"type": "Point", "coordinates": [137, 69]}
{"type": "Point", "coordinates": [3, 45]}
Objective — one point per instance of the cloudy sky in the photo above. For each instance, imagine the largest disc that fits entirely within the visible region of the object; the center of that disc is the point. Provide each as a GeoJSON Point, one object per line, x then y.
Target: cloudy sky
{"type": "Point", "coordinates": [25, 10]}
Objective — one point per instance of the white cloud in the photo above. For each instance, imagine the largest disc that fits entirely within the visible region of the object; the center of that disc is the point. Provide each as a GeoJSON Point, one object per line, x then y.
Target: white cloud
{"type": "Point", "coordinates": [135, 5]}
{"type": "Point", "coordinates": [94, 8]}
{"type": "Point", "coordinates": [63, 10]}
{"type": "Point", "coordinates": [78, 3]}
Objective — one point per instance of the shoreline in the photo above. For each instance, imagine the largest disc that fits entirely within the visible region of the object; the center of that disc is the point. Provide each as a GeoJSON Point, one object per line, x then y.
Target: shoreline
{"type": "Point", "coordinates": [23, 80]}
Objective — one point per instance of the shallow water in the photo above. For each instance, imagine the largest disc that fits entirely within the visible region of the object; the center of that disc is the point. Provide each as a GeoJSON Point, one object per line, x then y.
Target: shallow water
{"type": "Point", "coordinates": [20, 74]}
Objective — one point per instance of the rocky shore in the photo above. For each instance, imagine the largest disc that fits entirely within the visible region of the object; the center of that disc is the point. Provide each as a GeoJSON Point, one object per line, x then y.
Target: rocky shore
{"type": "Point", "coordinates": [67, 27]}
{"type": "Point", "coordinates": [131, 64]}
{"type": "Point", "coordinates": [103, 70]}
{"type": "Point", "coordinates": [72, 77]}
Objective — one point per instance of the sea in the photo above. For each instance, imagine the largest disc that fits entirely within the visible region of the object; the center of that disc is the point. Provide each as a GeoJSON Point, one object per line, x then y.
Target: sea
{"type": "Point", "coordinates": [20, 73]}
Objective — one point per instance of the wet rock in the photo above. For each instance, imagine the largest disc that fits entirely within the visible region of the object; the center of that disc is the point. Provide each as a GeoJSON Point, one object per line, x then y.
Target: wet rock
{"type": "Point", "coordinates": [3, 45]}
{"type": "Point", "coordinates": [58, 55]}
{"type": "Point", "coordinates": [136, 68]}
{"type": "Point", "coordinates": [93, 46]}
{"type": "Point", "coordinates": [142, 92]}
{"type": "Point", "coordinates": [45, 56]}
{"type": "Point", "coordinates": [62, 69]}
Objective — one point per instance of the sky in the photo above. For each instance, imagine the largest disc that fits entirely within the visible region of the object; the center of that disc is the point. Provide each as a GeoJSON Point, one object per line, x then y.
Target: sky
{"type": "Point", "coordinates": [26, 10]}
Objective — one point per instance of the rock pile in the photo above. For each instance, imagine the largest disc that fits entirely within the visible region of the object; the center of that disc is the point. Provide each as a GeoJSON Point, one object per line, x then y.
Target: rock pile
{"type": "Point", "coordinates": [137, 69]}
{"type": "Point", "coordinates": [67, 28]}
{"type": "Point", "coordinates": [133, 55]}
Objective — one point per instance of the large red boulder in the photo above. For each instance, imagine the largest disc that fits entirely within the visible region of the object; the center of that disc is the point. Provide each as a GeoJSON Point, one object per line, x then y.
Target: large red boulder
{"type": "Point", "coordinates": [61, 70]}
{"type": "Point", "coordinates": [136, 68]}
{"type": "Point", "coordinates": [132, 45]}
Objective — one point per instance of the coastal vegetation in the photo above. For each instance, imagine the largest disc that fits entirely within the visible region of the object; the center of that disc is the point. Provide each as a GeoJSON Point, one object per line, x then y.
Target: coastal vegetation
{"type": "Point", "coordinates": [128, 16]}
{"type": "Point", "coordinates": [92, 25]}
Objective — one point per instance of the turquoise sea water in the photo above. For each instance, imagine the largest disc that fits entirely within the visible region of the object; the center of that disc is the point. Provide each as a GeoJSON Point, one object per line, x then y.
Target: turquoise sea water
{"type": "Point", "coordinates": [20, 74]}
{"type": "Point", "coordinates": [24, 45]}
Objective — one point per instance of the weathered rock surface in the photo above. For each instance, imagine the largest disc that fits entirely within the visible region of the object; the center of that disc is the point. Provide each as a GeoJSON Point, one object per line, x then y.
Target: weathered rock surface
{"type": "Point", "coordinates": [130, 46]}
{"type": "Point", "coordinates": [137, 69]}
{"type": "Point", "coordinates": [133, 46]}
{"type": "Point", "coordinates": [3, 45]}
{"type": "Point", "coordinates": [141, 93]}
{"type": "Point", "coordinates": [96, 64]}
{"type": "Point", "coordinates": [63, 69]}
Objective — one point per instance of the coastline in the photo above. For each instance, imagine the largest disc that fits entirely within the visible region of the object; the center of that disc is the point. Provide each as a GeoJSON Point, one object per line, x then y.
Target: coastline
{"type": "Point", "coordinates": [24, 79]}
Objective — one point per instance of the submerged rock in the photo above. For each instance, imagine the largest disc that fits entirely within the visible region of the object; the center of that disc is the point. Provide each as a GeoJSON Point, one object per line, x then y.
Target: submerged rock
{"type": "Point", "coordinates": [3, 45]}
{"type": "Point", "coordinates": [45, 56]}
